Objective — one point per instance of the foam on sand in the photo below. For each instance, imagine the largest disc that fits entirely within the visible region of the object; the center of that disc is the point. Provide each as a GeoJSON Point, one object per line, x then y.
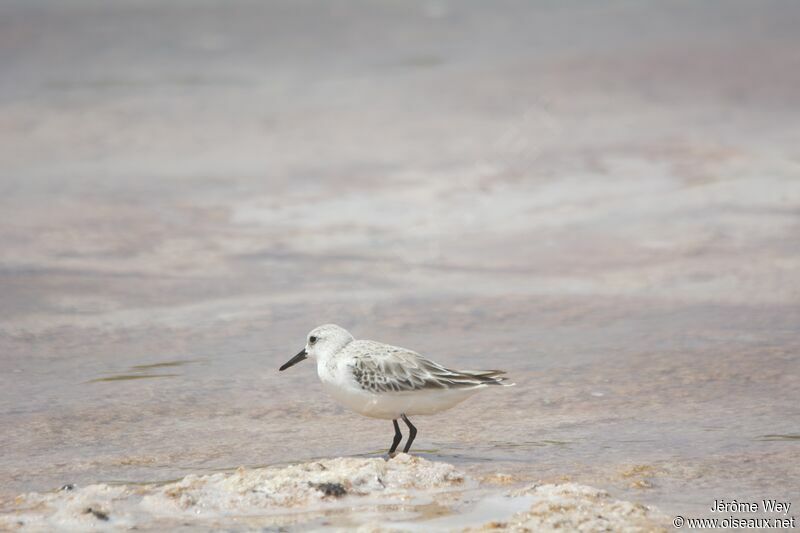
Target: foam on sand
{"type": "Point", "coordinates": [403, 493]}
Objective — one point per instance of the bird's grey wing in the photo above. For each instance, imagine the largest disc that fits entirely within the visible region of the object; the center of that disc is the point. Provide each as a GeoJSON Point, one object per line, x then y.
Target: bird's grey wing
{"type": "Point", "coordinates": [379, 367]}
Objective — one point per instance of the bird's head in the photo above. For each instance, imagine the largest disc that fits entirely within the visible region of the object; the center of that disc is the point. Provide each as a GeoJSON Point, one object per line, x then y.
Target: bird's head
{"type": "Point", "coordinates": [321, 343]}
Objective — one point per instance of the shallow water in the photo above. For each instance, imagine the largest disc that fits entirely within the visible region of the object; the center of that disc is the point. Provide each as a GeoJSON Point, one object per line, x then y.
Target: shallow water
{"type": "Point", "coordinates": [611, 216]}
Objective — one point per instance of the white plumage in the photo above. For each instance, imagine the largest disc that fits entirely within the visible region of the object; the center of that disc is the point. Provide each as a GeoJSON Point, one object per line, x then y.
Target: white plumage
{"type": "Point", "coordinates": [383, 381]}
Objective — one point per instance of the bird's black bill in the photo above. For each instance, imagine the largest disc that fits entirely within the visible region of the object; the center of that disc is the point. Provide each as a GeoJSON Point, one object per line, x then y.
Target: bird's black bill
{"type": "Point", "coordinates": [294, 360]}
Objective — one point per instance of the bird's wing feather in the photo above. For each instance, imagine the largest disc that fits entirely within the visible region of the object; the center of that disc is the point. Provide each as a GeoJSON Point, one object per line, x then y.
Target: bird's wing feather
{"type": "Point", "coordinates": [378, 367]}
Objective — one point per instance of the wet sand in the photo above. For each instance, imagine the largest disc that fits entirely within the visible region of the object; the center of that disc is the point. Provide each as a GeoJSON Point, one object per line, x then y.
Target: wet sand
{"type": "Point", "coordinates": [611, 215]}
{"type": "Point", "coordinates": [402, 494]}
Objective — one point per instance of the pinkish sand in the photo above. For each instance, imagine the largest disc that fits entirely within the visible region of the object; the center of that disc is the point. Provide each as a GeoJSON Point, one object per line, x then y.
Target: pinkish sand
{"type": "Point", "coordinates": [604, 201]}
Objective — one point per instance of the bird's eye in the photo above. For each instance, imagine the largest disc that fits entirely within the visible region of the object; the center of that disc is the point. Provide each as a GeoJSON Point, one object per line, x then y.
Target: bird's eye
{"type": "Point", "coordinates": [312, 339]}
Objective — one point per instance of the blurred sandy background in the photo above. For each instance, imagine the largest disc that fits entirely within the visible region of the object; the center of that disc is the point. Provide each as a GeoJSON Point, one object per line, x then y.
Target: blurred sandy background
{"type": "Point", "coordinates": [603, 199]}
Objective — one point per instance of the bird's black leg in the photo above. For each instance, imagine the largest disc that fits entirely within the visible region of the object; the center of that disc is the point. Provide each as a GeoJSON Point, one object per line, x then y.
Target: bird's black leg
{"type": "Point", "coordinates": [397, 437]}
{"type": "Point", "coordinates": [412, 432]}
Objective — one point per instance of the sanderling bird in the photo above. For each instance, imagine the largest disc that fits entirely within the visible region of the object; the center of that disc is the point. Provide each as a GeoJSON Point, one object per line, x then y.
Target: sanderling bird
{"type": "Point", "coordinates": [383, 381]}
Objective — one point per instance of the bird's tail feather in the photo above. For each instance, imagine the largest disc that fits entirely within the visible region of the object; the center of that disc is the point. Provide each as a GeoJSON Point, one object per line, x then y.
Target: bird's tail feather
{"type": "Point", "coordinates": [487, 377]}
